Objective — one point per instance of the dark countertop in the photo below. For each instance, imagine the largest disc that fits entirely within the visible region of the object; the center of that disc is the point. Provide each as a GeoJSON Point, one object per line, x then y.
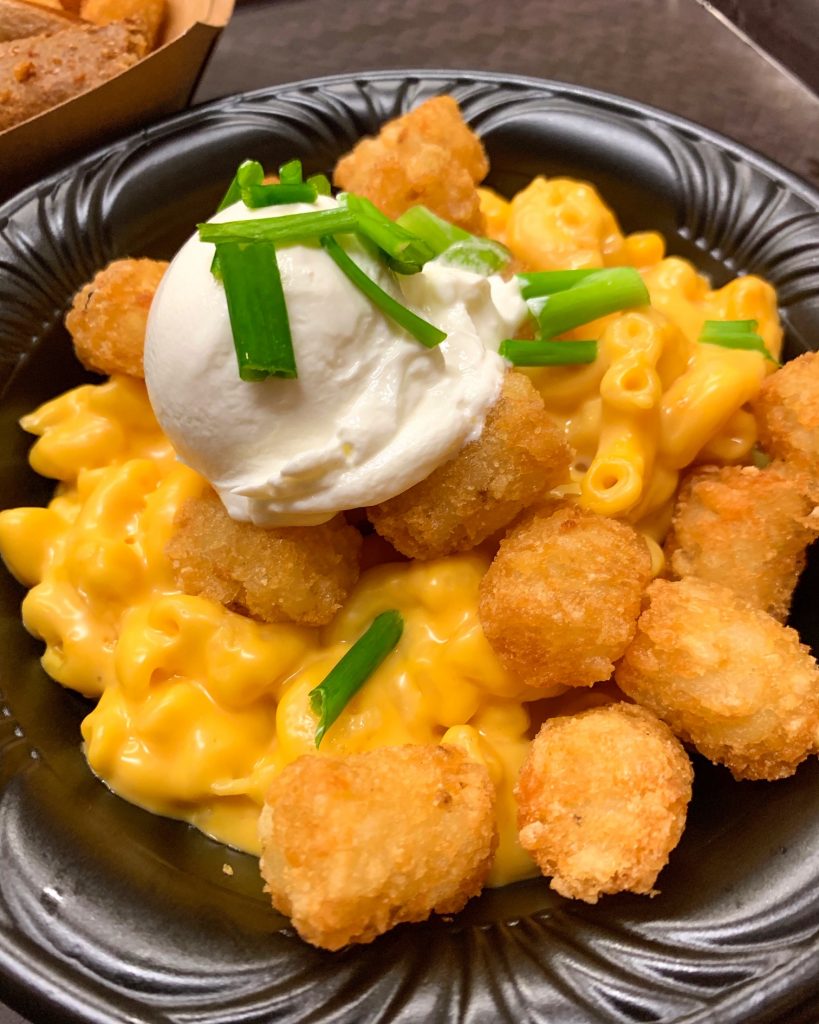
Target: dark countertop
{"type": "Point", "coordinates": [674, 54]}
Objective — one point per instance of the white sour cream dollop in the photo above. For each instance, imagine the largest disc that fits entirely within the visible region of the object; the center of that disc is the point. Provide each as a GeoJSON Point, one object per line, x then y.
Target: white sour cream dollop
{"type": "Point", "coordinates": [372, 411]}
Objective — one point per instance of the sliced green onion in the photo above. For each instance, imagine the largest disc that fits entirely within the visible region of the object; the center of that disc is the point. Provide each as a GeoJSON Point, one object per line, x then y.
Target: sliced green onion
{"type": "Point", "coordinates": [736, 334]}
{"type": "Point", "coordinates": [291, 227]}
{"type": "Point", "coordinates": [405, 252]}
{"type": "Point", "coordinates": [257, 196]}
{"type": "Point", "coordinates": [603, 292]}
{"type": "Point", "coordinates": [233, 195]}
{"type": "Point", "coordinates": [478, 255]}
{"type": "Point", "coordinates": [547, 282]}
{"type": "Point", "coordinates": [434, 230]}
{"type": "Point", "coordinates": [258, 314]}
{"type": "Point", "coordinates": [291, 173]}
{"type": "Point", "coordinates": [421, 330]}
{"type": "Point", "coordinates": [333, 693]}
{"type": "Point", "coordinates": [321, 183]}
{"type": "Point", "coordinates": [547, 353]}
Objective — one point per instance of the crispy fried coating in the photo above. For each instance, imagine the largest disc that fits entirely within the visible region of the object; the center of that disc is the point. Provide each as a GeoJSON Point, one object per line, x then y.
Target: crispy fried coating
{"type": "Point", "coordinates": [745, 528]}
{"type": "Point", "coordinates": [726, 677]}
{"type": "Point", "coordinates": [787, 411]}
{"type": "Point", "coordinates": [428, 156]}
{"type": "Point", "coordinates": [19, 19]}
{"type": "Point", "coordinates": [519, 456]}
{"type": "Point", "coordinates": [41, 71]}
{"type": "Point", "coordinates": [108, 316]}
{"type": "Point", "coordinates": [352, 846]}
{"type": "Point", "coordinates": [147, 12]}
{"type": "Point", "coordinates": [602, 798]}
{"type": "Point", "coordinates": [289, 574]}
{"type": "Point", "coordinates": [559, 603]}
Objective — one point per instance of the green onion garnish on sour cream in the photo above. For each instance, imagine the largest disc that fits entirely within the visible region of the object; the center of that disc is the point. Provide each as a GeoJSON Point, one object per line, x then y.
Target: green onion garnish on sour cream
{"type": "Point", "coordinates": [345, 679]}
{"type": "Point", "coordinates": [547, 353]}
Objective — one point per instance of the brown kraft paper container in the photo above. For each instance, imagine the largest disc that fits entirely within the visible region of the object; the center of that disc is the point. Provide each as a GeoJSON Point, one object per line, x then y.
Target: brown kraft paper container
{"type": "Point", "coordinates": [159, 84]}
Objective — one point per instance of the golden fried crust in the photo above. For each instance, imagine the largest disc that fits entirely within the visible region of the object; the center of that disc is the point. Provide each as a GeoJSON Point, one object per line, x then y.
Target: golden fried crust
{"type": "Point", "coordinates": [41, 71]}
{"type": "Point", "coordinates": [745, 528]}
{"type": "Point", "coordinates": [428, 156]}
{"type": "Point", "coordinates": [289, 574]}
{"type": "Point", "coordinates": [559, 603]}
{"type": "Point", "coordinates": [352, 846]}
{"type": "Point", "coordinates": [147, 12]}
{"type": "Point", "coordinates": [519, 456]}
{"type": "Point", "coordinates": [108, 316]}
{"type": "Point", "coordinates": [602, 798]}
{"type": "Point", "coordinates": [726, 677]}
{"type": "Point", "coordinates": [787, 411]}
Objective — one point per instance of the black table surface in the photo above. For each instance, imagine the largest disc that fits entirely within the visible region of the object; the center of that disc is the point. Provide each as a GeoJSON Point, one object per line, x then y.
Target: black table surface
{"type": "Point", "coordinates": [681, 55]}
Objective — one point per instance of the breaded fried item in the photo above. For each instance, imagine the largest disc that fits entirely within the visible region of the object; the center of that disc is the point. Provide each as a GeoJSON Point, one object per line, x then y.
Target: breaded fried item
{"type": "Point", "coordinates": [289, 574]}
{"type": "Point", "coordinates": [559, 603]}
{"type": "Point", "coordinates": [602, 798]}
{"type": "Point", "coordinates": [108, 316]}
{"type": "Point", "coordinates": [352, 846]}
{"type": "Point", "coordinates": [726, 677]}
{"type": "Point", "coordinates": [147, 12]}
{"type": "Point", "coordinates": [39, 72]}
{"type": "Point", "coordinates": [19, 19]}
{"type": "Point", "coordinates": [519, 456]}
{"type": "Point", "coordinates": [745, 528]}
{"type": "Point", "coordinates": [428, 156]}
{"type": "Point", "coordinates": [787, 411]}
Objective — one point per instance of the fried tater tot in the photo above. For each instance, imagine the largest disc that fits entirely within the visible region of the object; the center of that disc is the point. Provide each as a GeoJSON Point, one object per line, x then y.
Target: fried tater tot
{"type": "Point", "coordinates": [787, 411]}
{"type": "Point", "coordinates": [428, 156]}
{"type": "Point", "coordinates": [602, 798]}
{"type": "Point", "coordinates": [726, 677]}
{"type": "Point", "coordinates": [745, 528]}
{"type": "Point", "coordinates": [559, 603]}
{"type": "Point", "coordinates": [353, 845]}
{"type": "Point", "coordinates": [289, 574]}
{"type": "Point", "coordinates": [519, 456]}
{"type": "Point", "coordinates": [108, 316]}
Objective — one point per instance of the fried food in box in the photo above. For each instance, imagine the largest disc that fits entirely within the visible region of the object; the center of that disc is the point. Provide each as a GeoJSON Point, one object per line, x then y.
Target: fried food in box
{"type": "Point", "coordinates": [787, 411]}
{"type": "Point", "coordinates": [428, 156]}
{"type": "Point", "coordinates": [518, 457]}
{"type": "Point", "coordinates": [560, 601]}
{"type": "Point", "coordinates": [19, 19]}
{"type": "Point", "coordinates": [746, 528]}
{"type": "Point", "coordinates": [726, 677]}
{"type": "Point", "coordinates": [352, 846]}
{"type": "Point", "coordinates": [42, 71]}
{"type": "Point", "coordinates": [108, 316]}
{"type": "Point", "coordinates": [290, 574]}
{"type": "Point", "coordinates": [147, 12]}
{"type": "Point", "coordinates": [602, 799]}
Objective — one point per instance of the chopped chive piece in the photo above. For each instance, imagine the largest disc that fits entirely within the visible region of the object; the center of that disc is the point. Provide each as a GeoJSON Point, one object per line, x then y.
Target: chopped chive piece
{"type": "Point", "coordinates": [234, 192]}
{"type": "Point", "coordinates": [736, 334]}
{"type": "Point", "coordinates": [291, 173]}
{"type": "Point", "coordinates": [478, 255]}
{"type": "Point", "coordinates": [434, 230]}
{"type": "Point", "coordinates": [256, 196]}
{"type": "Point", "coordinates": [547, 282]}
{"type": "Point", "coordinates": [547, 353]}
{"type": "Point", "coordinates": [603, 292]}
{"type": "Point", "coordinates": [291, 227]}
{"type": "Point", "coordinates": [421, 330]}
{"type": "Point", "coordinates": [258, 314]}
{"type": "Point", "coordinates": [405, 252]}
{"type": "Point", "coordinates": [333, 693]}
{"type": "Point", "coordinates": [321, 183]}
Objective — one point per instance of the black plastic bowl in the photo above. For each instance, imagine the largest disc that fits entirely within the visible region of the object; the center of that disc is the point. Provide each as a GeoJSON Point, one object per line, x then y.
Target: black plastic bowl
{"type": "Point", "coordinates": [110, 914]}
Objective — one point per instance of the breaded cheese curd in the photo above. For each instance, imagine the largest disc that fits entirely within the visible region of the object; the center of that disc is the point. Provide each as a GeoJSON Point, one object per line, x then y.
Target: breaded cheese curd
{"type": "Point", "coordinates": [787, 409]}
{"type": "Point", "coordinates": [602, 799]}
{"type": "Point", "coordinates": [352, 846]}
{"type": "Point", "coordinates": [726, 677]}
{"type": "Point", "coordinates": [371, 413]}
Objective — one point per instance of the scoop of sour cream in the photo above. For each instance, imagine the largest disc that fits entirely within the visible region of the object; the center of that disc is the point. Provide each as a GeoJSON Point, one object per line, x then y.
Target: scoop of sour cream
{"type": "Point", "coordinates": [372, 411]}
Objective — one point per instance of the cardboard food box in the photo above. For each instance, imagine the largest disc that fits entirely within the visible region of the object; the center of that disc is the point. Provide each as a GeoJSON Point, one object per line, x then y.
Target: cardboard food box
{"type": "Point", "coordinates": [159, 84]}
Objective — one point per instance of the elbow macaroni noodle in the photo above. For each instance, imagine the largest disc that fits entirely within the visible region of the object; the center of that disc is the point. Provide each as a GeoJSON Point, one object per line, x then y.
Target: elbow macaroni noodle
{"type": "Point", "coordinates": [198, 706]}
